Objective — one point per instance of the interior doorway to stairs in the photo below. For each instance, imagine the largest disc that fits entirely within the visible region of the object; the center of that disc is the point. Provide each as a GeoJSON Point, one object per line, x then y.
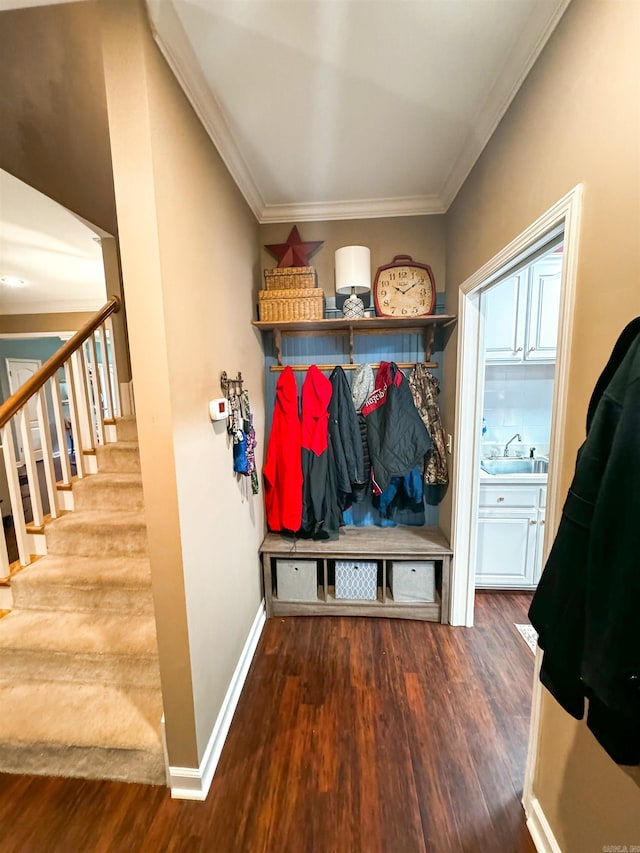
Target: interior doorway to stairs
{"type": "Point", "coordinates": [560, 224]}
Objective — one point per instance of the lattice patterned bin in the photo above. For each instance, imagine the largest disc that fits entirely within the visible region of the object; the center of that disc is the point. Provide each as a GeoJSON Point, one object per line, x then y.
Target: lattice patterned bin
{"type": "Point", "coordinates": [356, 580]}
{"type": "Point", "coordinates": [297, 580]}
{"type": "Point", "coordinates": [412, 581]}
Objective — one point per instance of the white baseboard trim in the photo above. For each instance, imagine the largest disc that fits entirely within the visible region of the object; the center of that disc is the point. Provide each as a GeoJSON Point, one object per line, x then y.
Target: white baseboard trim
{"type": "Point", "coordinates": [191, 783]}
{"type": "Point", "coordinates": [539, 829]}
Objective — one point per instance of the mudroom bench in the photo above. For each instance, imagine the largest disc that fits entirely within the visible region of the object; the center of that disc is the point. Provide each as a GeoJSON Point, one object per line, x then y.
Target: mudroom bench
{"type": "Point", "coordinates": [411, 567]}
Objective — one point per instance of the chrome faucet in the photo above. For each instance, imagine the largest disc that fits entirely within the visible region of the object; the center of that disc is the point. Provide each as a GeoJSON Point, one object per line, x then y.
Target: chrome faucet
{"type": "Point", "coordinates": [513, 438]}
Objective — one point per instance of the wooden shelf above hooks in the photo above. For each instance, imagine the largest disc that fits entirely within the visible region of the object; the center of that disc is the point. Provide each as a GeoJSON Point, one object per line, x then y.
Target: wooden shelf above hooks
{"type": "Point", "coordinates": [366, 326]}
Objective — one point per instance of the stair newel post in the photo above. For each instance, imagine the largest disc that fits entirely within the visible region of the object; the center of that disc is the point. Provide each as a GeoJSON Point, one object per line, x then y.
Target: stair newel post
{"type": "Point", "coordinates": [13, 483]}
{"type": "Point", "coordinates": [76, 438]}
{"type": "Point", "coordinates": [85, 421]}
{"type": "Point", "coordinates": [112, 367]}
{"type": "Point", "coordinates": [60, 429]}
{"type": "Point", "coordinates": [47, 452]}
{"type": "Point", "coordinates": [32, 469]}
{"type": "Point", "coordinates": [106, 372]}
{"type": "Point", "coordinates": [93, 370]}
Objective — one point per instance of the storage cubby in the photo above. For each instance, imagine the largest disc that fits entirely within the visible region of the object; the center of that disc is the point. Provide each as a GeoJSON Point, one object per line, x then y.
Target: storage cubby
{"type": "Point", "coordinates": [366, 544]}
{"type": "Point", "coordinates": [348, 342]}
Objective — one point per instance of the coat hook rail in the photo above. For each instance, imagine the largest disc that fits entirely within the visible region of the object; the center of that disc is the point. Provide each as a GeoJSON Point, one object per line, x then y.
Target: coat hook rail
{"type": "Point", "coordinates": [231, 387]}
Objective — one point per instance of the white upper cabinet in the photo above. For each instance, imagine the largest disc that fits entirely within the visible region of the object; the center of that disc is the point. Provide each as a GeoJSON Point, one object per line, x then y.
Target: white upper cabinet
{"type": "Point", "coordinates": [505, 311]}
{"type": "Point", "coordinates": [521, 314]}
{"type": "Point", "coordinates": [543, 310]}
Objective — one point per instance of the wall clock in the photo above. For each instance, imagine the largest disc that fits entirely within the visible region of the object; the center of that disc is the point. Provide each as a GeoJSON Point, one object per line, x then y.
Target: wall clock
{"type": "Point", "coordinates": [404, 288]}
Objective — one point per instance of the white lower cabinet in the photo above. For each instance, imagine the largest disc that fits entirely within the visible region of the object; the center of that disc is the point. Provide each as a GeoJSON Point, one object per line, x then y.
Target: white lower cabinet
{"type": "Point", "coordinates": [510, 536]}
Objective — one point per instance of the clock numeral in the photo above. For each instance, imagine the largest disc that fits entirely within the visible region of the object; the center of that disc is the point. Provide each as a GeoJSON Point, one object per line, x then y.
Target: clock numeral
{"type": "Point", "coordinates": [393, 310]}
{"type": "Point", "coordinates": [392, 276]}
{"type": "Point", "coordinates": [383, 293]}
{"type": "Point", "coordinates": [404, 311]}
{"type": "Point", "coordinates": [385, 302]}
{"type": "Point", "coordinates": [403, 274]}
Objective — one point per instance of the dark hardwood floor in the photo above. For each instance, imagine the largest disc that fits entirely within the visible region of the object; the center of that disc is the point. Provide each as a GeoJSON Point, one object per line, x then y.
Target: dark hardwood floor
{"type": "Point", "coordinates": [352, 736]}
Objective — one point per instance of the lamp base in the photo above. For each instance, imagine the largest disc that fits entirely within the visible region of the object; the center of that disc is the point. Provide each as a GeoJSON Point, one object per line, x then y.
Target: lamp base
{"type": "Point", "coordinates": [353, 308]}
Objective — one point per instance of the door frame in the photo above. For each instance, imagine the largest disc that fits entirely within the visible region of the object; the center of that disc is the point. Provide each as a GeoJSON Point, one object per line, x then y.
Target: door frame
{"type": "Point", "coordinates": [563, 218]}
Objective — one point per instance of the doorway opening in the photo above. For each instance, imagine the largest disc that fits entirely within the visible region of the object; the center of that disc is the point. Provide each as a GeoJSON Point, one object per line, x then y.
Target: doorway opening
{"type": "Point", "coordinates": [519, 314]}
{"type": "Point", "coordinates": [560, 224]}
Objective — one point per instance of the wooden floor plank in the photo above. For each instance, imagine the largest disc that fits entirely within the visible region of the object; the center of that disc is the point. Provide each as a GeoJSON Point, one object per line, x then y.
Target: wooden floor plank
{"type": "Point", "coordinates": [352, 735]}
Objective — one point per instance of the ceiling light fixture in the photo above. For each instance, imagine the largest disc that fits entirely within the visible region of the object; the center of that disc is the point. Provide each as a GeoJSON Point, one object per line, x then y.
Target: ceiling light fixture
{"type": "Point", "coordinates": [12, 281]}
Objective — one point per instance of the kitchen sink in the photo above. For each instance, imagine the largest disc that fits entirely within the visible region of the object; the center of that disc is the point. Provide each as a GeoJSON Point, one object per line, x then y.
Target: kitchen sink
{"type": "Point", "coordinates": [514, 466]}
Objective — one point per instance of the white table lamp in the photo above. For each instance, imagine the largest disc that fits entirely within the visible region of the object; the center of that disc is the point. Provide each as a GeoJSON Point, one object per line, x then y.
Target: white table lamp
{"type": "Point", "coordinates": [353, 276]}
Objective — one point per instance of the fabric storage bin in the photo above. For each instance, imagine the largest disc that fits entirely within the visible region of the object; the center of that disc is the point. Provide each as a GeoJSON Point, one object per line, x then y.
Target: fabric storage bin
{"type": "Point", "coordinates": [413, 581]}
{"type": "Point", "coordinates": [296, 580]}
{"type": "Point", "coordinates": [356, 580]}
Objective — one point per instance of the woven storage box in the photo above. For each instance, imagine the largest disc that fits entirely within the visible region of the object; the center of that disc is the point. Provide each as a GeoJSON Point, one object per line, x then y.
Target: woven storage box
{"type": "Point", "coordinates": [297, 580]}
{"type": "Point", "coordinates": [356, 580]}
{"type": "Point", "coordinates": [302, 304]}
{"type": "Point", "coordinates": [290, 278]}
{"type": "Point", "coordinates": [412, 581]}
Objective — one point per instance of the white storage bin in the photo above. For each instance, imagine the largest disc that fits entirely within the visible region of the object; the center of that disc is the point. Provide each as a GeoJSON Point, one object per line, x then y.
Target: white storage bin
{"type": "Point", "coordinates": [296, 580]}
{"type": "Point", "coordinates": [356, 580]}
{"type": "Point", "coordinates": [413, 581]}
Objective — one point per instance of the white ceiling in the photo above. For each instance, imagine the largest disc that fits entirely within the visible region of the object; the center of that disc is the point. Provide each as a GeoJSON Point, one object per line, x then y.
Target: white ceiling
{"type": "Point", "coordinates": [56, 254]}
{"type": "Point", "coordinates": [348, 108]}
{"type": "Point", "coordinates": [321, 109]}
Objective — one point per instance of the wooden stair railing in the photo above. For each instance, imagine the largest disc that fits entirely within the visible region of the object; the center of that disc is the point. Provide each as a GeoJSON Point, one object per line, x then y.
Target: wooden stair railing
{"type": "Point", "coordinates": [67, 428]}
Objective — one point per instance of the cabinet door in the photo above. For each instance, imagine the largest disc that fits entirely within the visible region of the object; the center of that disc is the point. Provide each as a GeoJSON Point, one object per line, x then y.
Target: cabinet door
{"type": "Point", "coordinates": [504, 307]}
{"type": "Point", "coordinates": [544, 310]}
{"type": "Point", "coordinates": [506, 548]}
{"type": "Point", "coordinates": [537, 564]}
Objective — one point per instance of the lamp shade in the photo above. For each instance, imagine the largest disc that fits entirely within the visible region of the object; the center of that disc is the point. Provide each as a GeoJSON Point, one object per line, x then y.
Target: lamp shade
{"type": "Point", "coordinates": [353, 269]}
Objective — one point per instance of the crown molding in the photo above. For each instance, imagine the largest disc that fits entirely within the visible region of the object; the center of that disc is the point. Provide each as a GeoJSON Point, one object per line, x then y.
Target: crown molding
{"type": "Point", "coordinates": [490, 113]}
{"type": "Point", "coordinates": [372, 208]}
{"type": "Point", "coordinates": [167, 30]}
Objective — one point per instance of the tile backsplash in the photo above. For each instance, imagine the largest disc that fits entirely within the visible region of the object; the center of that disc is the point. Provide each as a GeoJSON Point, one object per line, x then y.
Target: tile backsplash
{"type": "Point", "coordinates": [518, 399]}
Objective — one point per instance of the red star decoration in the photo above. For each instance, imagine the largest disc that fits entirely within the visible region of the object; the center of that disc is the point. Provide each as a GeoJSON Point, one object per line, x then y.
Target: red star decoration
{"type": "Point", "coordinates": [295, 252]}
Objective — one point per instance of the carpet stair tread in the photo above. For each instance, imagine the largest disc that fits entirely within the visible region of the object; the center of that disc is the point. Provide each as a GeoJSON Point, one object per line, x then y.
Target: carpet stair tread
{"type": "Point", "coordinates": [96, 533]}
{"type": "Point", "coordinates": [87, 571]}
{"type": "Point", "coordinates": [121, 456]}
{"type": "Point", "coordinates": [120, 489]}
{"type": "Point", "coordinates": [87, 584]}
{"type": "Point", "coordinates": [77, 633]}
{"type": "Point", "coordinates": [91, 731]}
{"type": "Point", "coordinates": [127, 429]}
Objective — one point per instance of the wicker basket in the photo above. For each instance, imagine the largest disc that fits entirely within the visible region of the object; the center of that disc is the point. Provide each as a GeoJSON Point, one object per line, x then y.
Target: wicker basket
{"type": "Point", "coordinates": [302, 304]}
{"type": "Point", "coordinates": [290, 278]}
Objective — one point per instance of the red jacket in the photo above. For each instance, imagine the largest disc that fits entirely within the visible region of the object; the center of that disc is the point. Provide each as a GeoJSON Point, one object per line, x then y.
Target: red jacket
{"type": "Point", "coordinates": [283, 467]}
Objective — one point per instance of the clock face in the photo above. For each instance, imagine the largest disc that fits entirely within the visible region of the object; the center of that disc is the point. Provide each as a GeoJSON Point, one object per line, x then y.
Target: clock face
{"type": "Point", "coordinates": [405, 290]}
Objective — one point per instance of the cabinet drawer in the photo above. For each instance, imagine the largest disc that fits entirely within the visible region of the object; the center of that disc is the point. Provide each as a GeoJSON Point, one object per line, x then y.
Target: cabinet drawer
{"type": "Point", "coordinates": [503, 496]}
{"type": "Point", "coordinates": [296, 580]}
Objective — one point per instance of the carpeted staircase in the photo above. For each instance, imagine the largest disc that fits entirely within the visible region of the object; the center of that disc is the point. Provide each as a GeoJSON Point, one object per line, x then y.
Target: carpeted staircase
{"type": "Point", "coordinates": [79, 681]}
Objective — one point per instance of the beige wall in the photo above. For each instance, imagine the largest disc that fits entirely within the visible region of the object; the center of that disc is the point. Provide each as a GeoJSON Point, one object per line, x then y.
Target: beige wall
{"type": "Point", "coordinates": [576, 119]}
{"type": "Point", "coordinates": [54, 133]}
{"type": "Point", "coordinates": [422, 237]}
{"type": "Point", "coordinates": [189, 251]}
{"type": "Point", "coordinates": [53, 117]}
{"type": "Point", "coordinates": [16, 324]}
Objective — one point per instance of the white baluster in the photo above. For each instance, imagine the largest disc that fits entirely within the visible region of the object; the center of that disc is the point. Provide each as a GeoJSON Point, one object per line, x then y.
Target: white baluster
{"type": "Point", "coordinates": [13, 483]}
{"type": "Point", "coordinates": [106, 374]}
{"type": "Point", "coordinates": [31, 466]}
{"type": "Point", "coordinates": [47, 453]}
{"type": "Point", "coordinates": [60, 429]}
{"type": "Point", "coordinates": [79, 369]}
{"type": "Point", "coordinates": [5, 571]}
{"type": "Point", "coordinates": [113, 368]}
{"type": "Point", "coordinates": [94, 378]}
{"type": "Point", "coordinates": [76, 436]}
